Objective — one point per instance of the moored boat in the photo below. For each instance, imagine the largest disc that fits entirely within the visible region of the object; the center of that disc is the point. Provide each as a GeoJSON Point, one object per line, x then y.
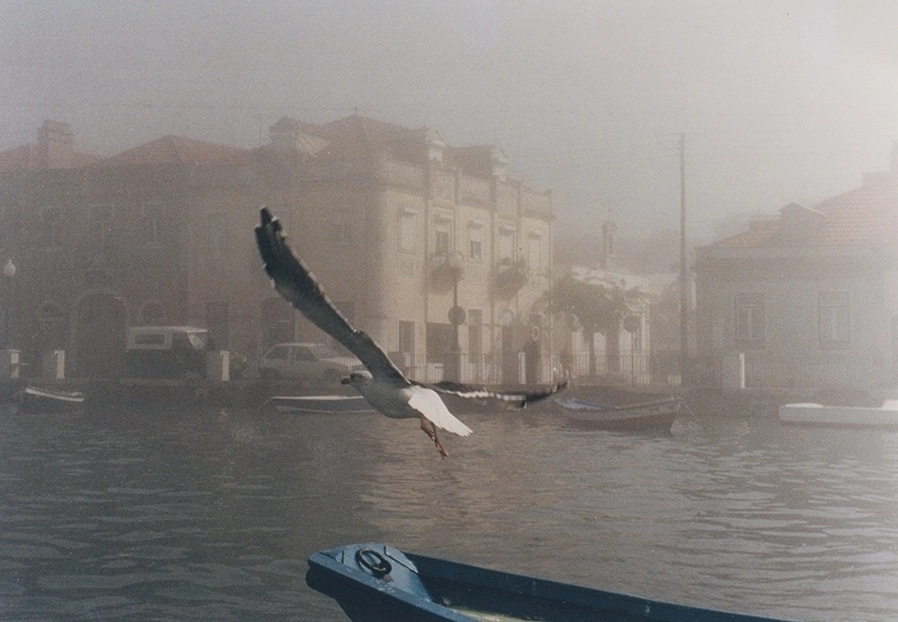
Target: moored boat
{"type": "Point", "coordinates": [40, 399]}
{"type": "Point", "coordinates": [378, 583]}
{"type": "Point", "coordinates": [656, 414]}
{"type": "Point", "coordinates": [345, 404]}
{"type": "Point", "coordinates": [885, 416]}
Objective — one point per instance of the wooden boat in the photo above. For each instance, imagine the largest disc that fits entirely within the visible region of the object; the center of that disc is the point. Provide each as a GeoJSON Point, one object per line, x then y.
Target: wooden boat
{"type": "Point", "coordinates": [885, 416]}
{"type": "Point", "coordinates": [378, 583]}
{"type": "Point", "coordinates": [38, 399]}
{"type": "Point", "coordinates": [344, 404]}
{"type": "Point", "coordinates": [648, 415]}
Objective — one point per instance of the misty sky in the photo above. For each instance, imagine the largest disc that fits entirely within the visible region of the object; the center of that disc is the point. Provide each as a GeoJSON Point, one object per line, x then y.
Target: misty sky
{"type": "Point", "coordinates": [778, 101]}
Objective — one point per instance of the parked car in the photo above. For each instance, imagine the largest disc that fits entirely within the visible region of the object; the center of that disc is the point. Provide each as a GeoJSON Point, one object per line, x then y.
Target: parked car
{"type": "Point", "coordinates": [312, 361]}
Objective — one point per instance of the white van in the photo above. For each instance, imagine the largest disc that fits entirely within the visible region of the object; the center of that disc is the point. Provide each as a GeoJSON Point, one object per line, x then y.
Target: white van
{"type": "Point", "coordinates": [172, 352]}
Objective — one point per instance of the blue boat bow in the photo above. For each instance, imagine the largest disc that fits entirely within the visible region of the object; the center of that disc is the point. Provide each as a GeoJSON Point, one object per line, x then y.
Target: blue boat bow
{"type": "Point", "coordinates": [378, 583]}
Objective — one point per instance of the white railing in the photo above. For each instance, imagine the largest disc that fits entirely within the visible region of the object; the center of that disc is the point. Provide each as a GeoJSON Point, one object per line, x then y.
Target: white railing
{"type": "Point", "coordinates": [496, 370]}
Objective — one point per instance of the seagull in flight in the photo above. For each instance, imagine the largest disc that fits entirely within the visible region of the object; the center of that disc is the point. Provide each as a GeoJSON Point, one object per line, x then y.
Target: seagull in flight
{"type": "Point", "coordinates": [383, 385]}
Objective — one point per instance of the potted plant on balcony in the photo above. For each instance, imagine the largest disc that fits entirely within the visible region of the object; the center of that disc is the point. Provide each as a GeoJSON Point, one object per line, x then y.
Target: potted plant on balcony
{"type": "Point", "coordinates": [447, 270]}
{"type": "Point", "coordinates": [511, 276]}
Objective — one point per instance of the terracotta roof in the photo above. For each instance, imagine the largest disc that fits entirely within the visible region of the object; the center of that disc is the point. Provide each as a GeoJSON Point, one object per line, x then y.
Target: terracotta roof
{"type": "Point", "coordinates": [355, 136]}
{"type": "Point", "coordinates": [864, 216]}
{"type": "Point", "coordinates": [26, 159]}
{"type": "Point", "coordinates": [177, 149]}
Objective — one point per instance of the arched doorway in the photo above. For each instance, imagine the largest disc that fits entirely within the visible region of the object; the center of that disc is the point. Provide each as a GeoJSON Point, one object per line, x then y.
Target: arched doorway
{"type": "Point", "coordinates": [99, 335]}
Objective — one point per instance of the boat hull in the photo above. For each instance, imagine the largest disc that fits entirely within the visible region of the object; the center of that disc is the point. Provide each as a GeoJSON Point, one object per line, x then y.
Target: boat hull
{"type": "Point", "coordinates": [839, 416]}
{"type": "Point", "coordinates": [656, 415]}
{"type": "Point", "coordinates": [42, 400]}
{"type": "Point", "coordinates": [316, 404]}
{"type": "Point", "coordinates": [378, 583]}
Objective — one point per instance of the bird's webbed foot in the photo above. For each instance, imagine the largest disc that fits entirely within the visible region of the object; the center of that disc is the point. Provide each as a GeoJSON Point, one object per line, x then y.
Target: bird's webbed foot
{"type": "Point", "coordinates": [431, 432]}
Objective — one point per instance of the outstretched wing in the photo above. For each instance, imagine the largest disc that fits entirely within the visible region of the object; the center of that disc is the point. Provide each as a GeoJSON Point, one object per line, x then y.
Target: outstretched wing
{"type": "Point", "coordinates": [519, 399]}
{"type": "Point", "coordinates": [429, 404]}
{"type": "Point", "coordinates": [295, 282]}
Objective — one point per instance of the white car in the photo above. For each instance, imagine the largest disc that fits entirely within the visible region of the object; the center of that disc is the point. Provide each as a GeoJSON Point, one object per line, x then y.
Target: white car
{"type": "Point", "coordinates": [308, 361]}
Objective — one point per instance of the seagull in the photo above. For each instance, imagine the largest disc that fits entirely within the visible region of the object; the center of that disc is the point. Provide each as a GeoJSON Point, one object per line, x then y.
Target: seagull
{"type": "Point", "coordinates": [383, 385]}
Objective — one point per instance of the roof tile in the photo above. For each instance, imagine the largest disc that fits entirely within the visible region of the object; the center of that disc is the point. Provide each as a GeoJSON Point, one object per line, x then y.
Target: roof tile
{"type": "Point", "coordinates": [865, 215]}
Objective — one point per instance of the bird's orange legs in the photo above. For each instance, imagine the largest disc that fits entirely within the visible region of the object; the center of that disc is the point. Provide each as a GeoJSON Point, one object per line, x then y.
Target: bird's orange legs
{"type": "Point", "coordinates": [431, 432]}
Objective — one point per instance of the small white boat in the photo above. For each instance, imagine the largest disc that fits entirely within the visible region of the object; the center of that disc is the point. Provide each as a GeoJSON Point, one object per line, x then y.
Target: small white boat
{"type": "Point", "coordinates": [345, 404]}
{"type": "Point", "coordinates": [885, 416]}
{"type": "Point", "coordinates": [38, 399]}
{"type": "Point", "coordinates": [649, 415]}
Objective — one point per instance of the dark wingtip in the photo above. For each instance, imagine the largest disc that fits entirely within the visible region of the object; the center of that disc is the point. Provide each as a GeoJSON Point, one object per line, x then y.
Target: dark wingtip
{"type": "Point", "coordinates": [265, 215]}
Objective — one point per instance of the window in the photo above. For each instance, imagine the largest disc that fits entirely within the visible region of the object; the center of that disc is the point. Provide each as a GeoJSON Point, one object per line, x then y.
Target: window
{"type": "Point", "coordinates": [833, 319]}
{"type": "Point", "coordinates": [149, 233]}
{"type": "Point", "coordinates": [506, 244]}
{"type": "Point", "coordinates": [442, 231]}
{"type": "Point", "coordinates": [440, 338]}
{"type": "Point", "coordinates": [303, 354]}
{"type": "Point", "coordinates": [475, 334]}
{"type": "Point", "coordinates": [218, 231]}
{"type": "Point", "coordinates": [101, 219]}
{"type": "Point", "coordinates": [475, 241]}
{"type": "Point", "coordinates": [49, 311]}
{"type": "Point", "coordinates": [157, 339]}
{"type": "Point", "coordinates": [280, 353]}
{"type": "Point", "coordinates": [535, 252]}
{"type": "Point", "coordinates": [408, 231]}
{"type": "Point", "coordinates": [406, 336]}
{"type": "Point", "coordinates": [750, 318]}
{"type": "Point", "coordinates": [52, 218]}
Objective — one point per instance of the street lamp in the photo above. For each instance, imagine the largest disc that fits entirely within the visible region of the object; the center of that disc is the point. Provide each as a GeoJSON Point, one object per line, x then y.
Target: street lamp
{"type": "Point", "coordinates": [456, 262]}
{"type": "Point", "coordinates": [9, 273]}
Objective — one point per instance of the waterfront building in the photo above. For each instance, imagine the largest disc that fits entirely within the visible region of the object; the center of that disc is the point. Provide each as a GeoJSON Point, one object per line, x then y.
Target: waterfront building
{"type": "Point", "coordinates": [402, 227]}
{"type": "Point", "coordinates": [399, 226]}
{"type": "Point", "coordinates": [807, 299]}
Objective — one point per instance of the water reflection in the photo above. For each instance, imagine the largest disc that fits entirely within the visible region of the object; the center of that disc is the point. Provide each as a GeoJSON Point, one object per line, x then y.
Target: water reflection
{"type": "Point", "coordinates": [209, 514]}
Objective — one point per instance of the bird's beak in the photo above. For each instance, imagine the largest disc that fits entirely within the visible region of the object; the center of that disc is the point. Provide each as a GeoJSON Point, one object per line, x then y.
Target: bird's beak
{"type": "Point", "coordinates": [344, 380]}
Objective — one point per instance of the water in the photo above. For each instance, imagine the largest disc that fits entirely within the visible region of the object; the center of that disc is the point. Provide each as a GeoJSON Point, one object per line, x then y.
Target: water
{"type": "Point", "coordinates": [154, 514]}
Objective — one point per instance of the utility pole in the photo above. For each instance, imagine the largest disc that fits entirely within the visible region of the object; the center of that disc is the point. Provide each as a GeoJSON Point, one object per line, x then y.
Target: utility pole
{"type": "Point", "coordinates": [259, 117]}
{"type": "Point", "coordinates": [684, 270]}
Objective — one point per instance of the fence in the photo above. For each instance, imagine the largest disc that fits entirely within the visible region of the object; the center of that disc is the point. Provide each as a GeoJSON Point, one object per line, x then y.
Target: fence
{"type": "Point", "coordinates": [633, 369]}
{"type": "Point", "coordinates": [783, 372]}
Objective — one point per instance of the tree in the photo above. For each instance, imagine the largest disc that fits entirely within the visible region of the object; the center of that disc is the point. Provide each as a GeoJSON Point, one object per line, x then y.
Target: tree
{"type": "Point", "coordinates": [593, 308]}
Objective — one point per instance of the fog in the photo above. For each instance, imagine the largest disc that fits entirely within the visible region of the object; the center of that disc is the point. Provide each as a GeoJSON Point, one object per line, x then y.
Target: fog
{"type": "Point", "coordinates": [778, 102]}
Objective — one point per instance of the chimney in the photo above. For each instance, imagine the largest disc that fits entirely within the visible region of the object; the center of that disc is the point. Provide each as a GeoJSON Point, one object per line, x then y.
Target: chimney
{"type": "Point", "coordinates": [284, 134]}
{"type": "Point", "coordinates": [55, 142]}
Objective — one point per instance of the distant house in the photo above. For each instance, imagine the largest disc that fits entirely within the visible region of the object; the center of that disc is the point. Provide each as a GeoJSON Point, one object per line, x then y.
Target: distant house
{"type": "Point", "coordinates": [103, 244]}
{"type": "Point", "coordinates": [808, 299]}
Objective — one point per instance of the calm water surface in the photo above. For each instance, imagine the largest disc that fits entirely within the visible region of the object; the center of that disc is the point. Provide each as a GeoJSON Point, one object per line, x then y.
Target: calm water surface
{"type": "Point", "coordinates": [173, 514]}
